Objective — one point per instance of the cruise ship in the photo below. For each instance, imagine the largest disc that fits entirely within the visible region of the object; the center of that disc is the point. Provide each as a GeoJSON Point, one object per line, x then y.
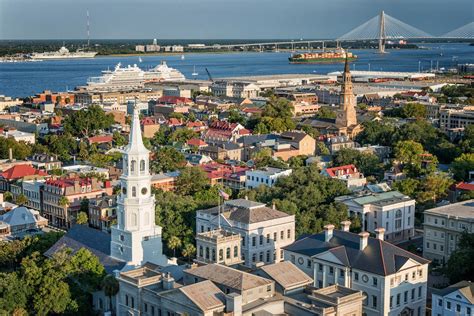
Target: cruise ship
{"type": "Point", "coordinates": [63, 53]}
{"type": "Point", "coordinates": [132, 77]}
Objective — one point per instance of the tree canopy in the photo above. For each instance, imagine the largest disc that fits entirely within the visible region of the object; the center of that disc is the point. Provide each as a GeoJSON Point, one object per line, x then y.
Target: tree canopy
{"type": "Point", "coordinates": [88, 121]}
{"type": "Point", "coordinates": [459, 266]}
{"type": "Point", "coordinates": [167, 159]}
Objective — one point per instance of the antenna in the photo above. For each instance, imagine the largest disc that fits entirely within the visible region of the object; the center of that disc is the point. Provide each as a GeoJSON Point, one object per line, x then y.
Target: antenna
{"type": "Point", "coordinates": [88, 29]}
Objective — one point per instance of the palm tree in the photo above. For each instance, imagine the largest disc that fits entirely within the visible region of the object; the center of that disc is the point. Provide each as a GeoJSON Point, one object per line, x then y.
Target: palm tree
{"type": "Point", "coordinates": [110, 286]}
{"type": "Point", "coordinates": [63, 201]}
{"type": "Point", "coordinates": [21, 199]}
{"type": "Point", "coordinates": [174, 243]}
{"type": "Point", "coordinates": [188, 251]}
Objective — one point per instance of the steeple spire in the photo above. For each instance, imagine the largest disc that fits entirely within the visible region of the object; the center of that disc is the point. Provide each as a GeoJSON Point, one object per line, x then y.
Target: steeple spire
{"type": "Point", "coordinates": [346, 66]}
{"type": "Point", "coordinates": [135, 144]}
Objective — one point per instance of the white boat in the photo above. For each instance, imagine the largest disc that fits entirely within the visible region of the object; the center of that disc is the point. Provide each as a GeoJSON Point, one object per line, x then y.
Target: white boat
{"type": "Point", "coordinates": [63, 53]}
{"type": "Point", "coordinates": [132, 77]}
{"type": "Point", "coordinates": [194, 72]}
{"type": "Point", "coordinates": [140, 59]}
{"type": "Point", "coordinates": [182, 57]}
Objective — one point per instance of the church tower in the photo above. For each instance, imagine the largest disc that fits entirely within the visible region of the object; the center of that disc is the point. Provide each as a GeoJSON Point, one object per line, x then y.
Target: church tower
{"type": "Point", "coordinates": [346, 115]}
{"type": "Point", "coordinates": [135, 238]}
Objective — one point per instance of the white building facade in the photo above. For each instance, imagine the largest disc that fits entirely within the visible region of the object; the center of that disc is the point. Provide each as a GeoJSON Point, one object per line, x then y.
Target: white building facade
{"type": "Point", "coordinates": [266, 176]}
{"type": "Point", "coordinates": [264, 230]}
{"type": "Point", "coordinates": [393, 211]}
{"type": "Point", "coordinates": [456, 299]}
{"type": "Point", "coordinates": [393, 280]}
{"type": "Point", "coordinates": [136, 239]}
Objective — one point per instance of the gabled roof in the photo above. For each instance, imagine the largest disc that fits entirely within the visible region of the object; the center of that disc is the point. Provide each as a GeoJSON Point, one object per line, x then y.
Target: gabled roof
{"type": "Point", "coordinates": [379, 257]}
{"type": "Point", "coordinates": [100, 139]}
{"type": "Point", "coordinates": [21, 171]}
{"type": "Point", "coordinates": [466, 288]}
{"type": "Point", "coordinates": [205, 295]}
{"type": "Point", "coordinates": [229, 277]}
{"type": "Point", "coordinates": [21, 216]}
{"type": "Point", "coordinates": [287, 275]}
{"type": "Point", "coordinates": [96, 241]}
{"type": "Point", "coordinates": [196, 142]}
{"type": "Point", "coordinates": [343, 170]}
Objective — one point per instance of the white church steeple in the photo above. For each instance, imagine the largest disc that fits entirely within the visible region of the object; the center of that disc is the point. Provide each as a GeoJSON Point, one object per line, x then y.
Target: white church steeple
{"type": "Point", "coordinates": [136, 239]}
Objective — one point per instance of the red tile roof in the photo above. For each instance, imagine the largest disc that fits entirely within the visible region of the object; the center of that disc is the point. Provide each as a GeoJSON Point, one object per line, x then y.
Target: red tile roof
{"type": "Point", "coordinates": [174, 100]}
{"type": "Point", "coordinates": [21, 171]}
{"type": "Point", "coordinates": [342, 170]}
{"type": "Point", "coordinates": [100, 139]}
{"type": "Point", "coordinates": [465, 186]}
{"type": "Point", "coordinates": [215, 170]}
{"type": "Point", "coordinates": [68, 182]}
{"type": "Point", "coordinates": [175, 122]}
{"type": "Point", "coordinates": [195, 124]}
{"type": "Point", "coordinates": [148, 121]}
{"type": "Point", "coordinates": [196, 142]}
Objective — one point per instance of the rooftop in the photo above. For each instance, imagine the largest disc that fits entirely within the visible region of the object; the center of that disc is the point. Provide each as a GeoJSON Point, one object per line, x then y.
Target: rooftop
{"type": "Point", "coordinates": [463, 209]}
{"type": "Point", "coordinates": [229, 277]}
{"type": "Point", "coordinates": [466, 288]}
{"type": "Point", "coordinates": [287, 275]}
{"type": "Point", "coordinates": [378, 257]}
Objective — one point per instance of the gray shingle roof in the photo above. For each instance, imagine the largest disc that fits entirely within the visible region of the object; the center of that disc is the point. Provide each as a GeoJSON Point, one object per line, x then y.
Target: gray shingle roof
{"type": "Point", "coordinates": [379, 257]}
{"type": "Point", "coordinates": [96, 241]}
{"type": "Point", "coordinates": [465, 287]}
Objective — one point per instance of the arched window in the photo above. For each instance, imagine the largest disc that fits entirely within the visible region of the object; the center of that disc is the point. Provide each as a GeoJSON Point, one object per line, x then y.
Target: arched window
{"type": "Point", "coordinates": [227, 253]}
{"type": "Point", "coordinates": [142, 165]}
{"type": "Point", "coordinates": [221, 254]}
{"type": "Point", "coordinates": [200, 251]}
{"type": "Point", "coordinates": [134, 191]}
{"type": "Point", "coordinates": [133, 166]}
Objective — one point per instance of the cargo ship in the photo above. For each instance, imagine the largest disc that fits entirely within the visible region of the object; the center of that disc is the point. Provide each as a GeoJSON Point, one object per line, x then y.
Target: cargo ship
{"type": "Point", "coordinates": [323, 57]}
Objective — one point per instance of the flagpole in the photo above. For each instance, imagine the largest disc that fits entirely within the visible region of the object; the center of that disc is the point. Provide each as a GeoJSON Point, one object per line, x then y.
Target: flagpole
{"type": "Point", "coordinates": [219, 209]}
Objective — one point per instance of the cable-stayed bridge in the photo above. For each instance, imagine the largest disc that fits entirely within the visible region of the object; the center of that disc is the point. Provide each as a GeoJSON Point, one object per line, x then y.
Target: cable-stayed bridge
{"type": "Point", "coordinates": [381, 28]}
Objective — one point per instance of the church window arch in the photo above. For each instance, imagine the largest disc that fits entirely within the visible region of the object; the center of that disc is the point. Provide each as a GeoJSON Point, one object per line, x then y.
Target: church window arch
{"type": "Point", "coordinates": [133, 166]}
{"type": "Point", "coordinates": [142, 165]}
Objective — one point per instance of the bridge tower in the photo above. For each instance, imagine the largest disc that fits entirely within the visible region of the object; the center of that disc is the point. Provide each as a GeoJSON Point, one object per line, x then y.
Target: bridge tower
{"type": "Point", "coordinates": [382, 33]}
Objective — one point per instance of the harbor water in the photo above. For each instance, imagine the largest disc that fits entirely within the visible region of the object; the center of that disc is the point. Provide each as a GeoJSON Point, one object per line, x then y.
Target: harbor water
{"type": "Point", "coordinates": [27, 78]}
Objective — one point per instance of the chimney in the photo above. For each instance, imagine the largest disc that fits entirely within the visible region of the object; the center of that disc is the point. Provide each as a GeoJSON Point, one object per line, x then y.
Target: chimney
{"type": "Point", "coordinates": [273, 206]}
{"type": "Point", "coordinates": [168, 281]}
{"type": "Point", "coordinates": [379, 233]}
{"type": "Point", "coordinates": [345, 225]}
{"type": "Point", "coordinates": [328, 232]}
{"type": "Point", "coordinates": [364, 238]}
{"type": "Point", "coordinates": [10, 154]}
{"type": "Point", "coordinates": [233, 303]}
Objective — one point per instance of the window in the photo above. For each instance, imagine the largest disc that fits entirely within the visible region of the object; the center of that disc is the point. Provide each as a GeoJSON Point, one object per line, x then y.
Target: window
{"type": "Point", "coordinates": [227, 253]}
{"type": "Point", "coordinates": [133, 302]}
{"type": "Point", "coordinates": [200, 251]}
{"type": "Point", "coordinates": [268, 238]}
{"type": "Point", "coordinates": [288, 234]}
{"type": "Point", "coordinates": [398, 299]}
{"type": "Point", "coordinates": [320, 267]}
{"type": "Point", "coordinates": [413, 294]}
{"type": "Point", "coordinates": [391, 301]}
{"type": "Point", "coordinates": [133, 166]}
{"type": "Point", "coordinates": [374, 301]}
{"type": "Point", "coordinates": [134, 191]}
{"type": "Point", "coordinates": [274, 236]}
{"type": "Point", "coordinates": [448, 305]}
{"type": "Point", "coordinates": [458, 308]}
{"type": "Point", "coordinates": [292, 259]}
{"type": "Point", "coordinates": [254, 257]}
{"type": "Point", "coordinates": [282, 234]}
{"type": "Point", "coordinates": [146, 307]}
{"type": "Point", "coordinates": [236, 251]}
{"type": "Point", "coordinates": [221, 254]}
{"type": "Point", "coordinates": [142, 165]}
{"type": "Point", "coordinates": [207, 253]}
{"type": "Point", "coordinates": [202, 229]}
{"type": "Point", "coordinates": [261, 239]}
{"type": "Point", "coordinates": [308, 263]}
{"type": "Point", "coordinates": [468, 310]}
{"type": "Point", "coordinates": [126, 299]}
{"type": "Point", "coordinates": [268, 255]}
{"type": "Point", "coordinates": [419, 292]}
{"type": "Point", "coordinates": [261, 257]}
{"type": "Point", "coordinates": [213, 254]}
{"type": "Point", "coordinates": [356, 276]}
{"type": "Point", "coordinates": [341, 273]}
{"type": "Point", "coordinates": [374, 281]}
{"type": "Point", "coordinates": [366, 300]}
{"type": "Point", "coordinates": [254, 241]}
{"type": "Point", "coordinates": [331, 270]}
{"type": "Point", "coordinates": [405, 297]}
{"type": "Point", "coordinates": [440, 302]}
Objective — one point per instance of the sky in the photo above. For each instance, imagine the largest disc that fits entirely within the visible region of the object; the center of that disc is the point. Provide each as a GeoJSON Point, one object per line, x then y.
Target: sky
{"type": "Point", "coordinates": [219, 19]}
